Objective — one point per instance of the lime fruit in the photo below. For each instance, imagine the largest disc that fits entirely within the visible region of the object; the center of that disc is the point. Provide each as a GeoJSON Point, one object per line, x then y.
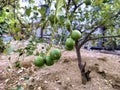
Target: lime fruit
{"type": "Point", "coordinates": [38, 61]}
{"type": "Point", "coordinates": [70, 42]}
{"type": "Point", "coordinates": [75, 35]}
{"type": "Point", "coordinates": [68, 48]}
{"type": "Point", "coordinates": [49, 61]}
{"type": "Point", "coordinates": [55, 54]}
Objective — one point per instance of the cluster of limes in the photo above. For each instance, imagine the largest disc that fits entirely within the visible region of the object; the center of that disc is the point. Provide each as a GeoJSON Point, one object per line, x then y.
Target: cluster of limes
{"type": "Point", "coordinates": [48, 60]}
{"type": "Point", "coordinates": [70, 42]}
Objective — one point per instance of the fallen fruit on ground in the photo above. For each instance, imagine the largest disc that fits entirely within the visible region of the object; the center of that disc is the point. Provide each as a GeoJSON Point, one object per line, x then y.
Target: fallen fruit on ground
{"type": "Point", "coordinates": [49, 61]}
{"type": "Point", "coordinates": [55, 54]}
{"type": "Point", "coordinates": [75, 35]}
{"type": "Point", "coordinates": [38, 61]}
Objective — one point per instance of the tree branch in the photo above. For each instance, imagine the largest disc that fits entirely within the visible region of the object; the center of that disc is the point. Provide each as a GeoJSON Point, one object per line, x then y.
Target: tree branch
{"type": "Point", "coordinates": [68, 5]}
{"type": "Point", "coordinates": [103, 37]}
{"type": "Point", "coordinates": [5, 3]}
{"type": "Point", "coordinates": [21, 22]}
{"type": "Point", "coordinates": [76, 6]}
{"type": "Point", "coordinates": [85, 39]}
{"type": "Point", "coordinates": [116, 14]}
{"type": "Point", "coordinates": [74, 3]}
{"type": "Point", "coordinates": [79, 4]}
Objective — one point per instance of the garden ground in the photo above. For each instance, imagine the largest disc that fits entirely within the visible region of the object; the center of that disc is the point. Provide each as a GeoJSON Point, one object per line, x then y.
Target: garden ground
{"type": "Point", "coordinates": [63, 75]}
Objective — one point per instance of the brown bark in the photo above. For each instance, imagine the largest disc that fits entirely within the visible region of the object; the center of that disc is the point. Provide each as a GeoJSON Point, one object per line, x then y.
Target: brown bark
{"type": "Point", "coordinates": [84, 74]}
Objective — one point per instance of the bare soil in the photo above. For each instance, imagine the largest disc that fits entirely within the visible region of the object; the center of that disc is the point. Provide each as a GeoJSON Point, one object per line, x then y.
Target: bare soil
{"type": "Point", "coordinates": [63, 75]}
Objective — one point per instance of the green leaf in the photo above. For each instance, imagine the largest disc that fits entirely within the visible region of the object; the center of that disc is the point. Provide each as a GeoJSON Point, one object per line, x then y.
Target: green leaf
{"type": "Point", "coordinates": [60, 3]}
{"type": "Point", "coordinates": [26, 78]}
{"type": "Point", "coordinates": [28, 11]}
{"type": "Point", "coordinates": [1, 19]}
{"type": "Point", "coordinates": [17, 37]}
{"type": "Point", "coordinates": [42, 10]}
{"type": "Point", "coordinates": [17, 29]}
{"type": "Point", "coordinates": [19, 87]}
{"type": "Point", "coordinates": [8, 50]}
{"type": "Point", "coordinates": [31, 1]}
{"type": "Point", "coordinates": [60, 12]}
{"type": "Point", "coordinates": [35, 7]}
{"type": "Point", "coordinates": [42, 54]}
{"type": "Point", "coordinates": [97, 2]}
{"type": "Point", "coordinates": [87, 2]}
{"type": "Point", "coordinates": [17, 64]}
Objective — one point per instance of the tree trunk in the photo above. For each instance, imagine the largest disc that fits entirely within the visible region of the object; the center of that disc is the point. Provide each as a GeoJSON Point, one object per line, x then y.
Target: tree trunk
{"type": "Point", "coordinates": [103, 34]}
{"type": "Point", "coordinates": [41, 33]}
{"type": "Point", "coordinates": [84, 74]}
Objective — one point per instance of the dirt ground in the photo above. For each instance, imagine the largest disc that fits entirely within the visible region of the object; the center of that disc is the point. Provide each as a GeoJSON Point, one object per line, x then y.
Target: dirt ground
{"type": "Point", "coordinates": [63, 75]}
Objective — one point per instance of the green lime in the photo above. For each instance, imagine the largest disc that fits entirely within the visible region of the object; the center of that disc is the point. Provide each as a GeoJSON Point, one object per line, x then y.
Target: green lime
{"type": "Point", "coordinates": [75, 35]}
{"type": "Point", "coordinates": [70, 42]}
{"type": "Point", "coordinates": [49, 61]}
{"type": "Point", "coordinates": [38, 61]}
{"type": "Point", "coordinates": [55, 54]}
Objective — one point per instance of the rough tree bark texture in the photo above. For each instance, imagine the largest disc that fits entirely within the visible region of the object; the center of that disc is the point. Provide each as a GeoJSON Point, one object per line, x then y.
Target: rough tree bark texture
{"type": "Point", "coordinates": [41, 33]}
{"type": "Point", "coordinates": [84, 74]}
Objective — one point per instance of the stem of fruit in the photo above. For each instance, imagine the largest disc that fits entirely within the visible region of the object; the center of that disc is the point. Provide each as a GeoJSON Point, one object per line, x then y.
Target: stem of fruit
{"type": "Point", "coordinates": [67, 11]}
{"type": "Point", "coordinates": [52, 35]}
